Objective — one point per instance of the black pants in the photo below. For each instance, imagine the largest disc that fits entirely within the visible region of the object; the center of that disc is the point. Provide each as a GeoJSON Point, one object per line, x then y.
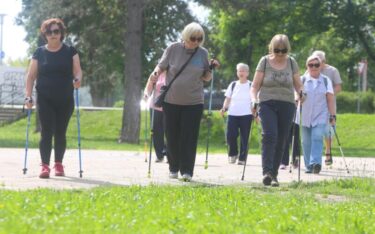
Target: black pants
{"type": "Point", "coordinates": [276, 118]}
{"type": "Point", "coordinates": [158, 133]}
{"type": "Point", "coordinates": [296, 145]}
{"type": "Point", "coordinates": [238, 125]}
{"type": "Point", "coordinates": [182, 130]}
{"type": "Point", "coordinates": [54, 115]}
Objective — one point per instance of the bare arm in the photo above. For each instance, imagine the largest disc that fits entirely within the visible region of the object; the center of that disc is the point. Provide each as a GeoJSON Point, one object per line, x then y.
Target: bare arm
{"type": "Point", "coordinates": [225, 105]}
{"type": "Point", "coordinates": [255, 86]}
{"type": "Point", "coordinates": [77, 71]}
{"type": "Point", "coordinates": [331, 108]}
{"type": "Point", "coordinates": [337, 88]}
{"type": "Point", "coordinates": [30, 80]}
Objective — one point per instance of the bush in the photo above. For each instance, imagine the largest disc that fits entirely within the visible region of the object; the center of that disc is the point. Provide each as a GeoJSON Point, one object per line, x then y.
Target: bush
{"type": "Point", "coordinates": [347, 102]}
{"type": "Point", "coordinates": [119, 104]}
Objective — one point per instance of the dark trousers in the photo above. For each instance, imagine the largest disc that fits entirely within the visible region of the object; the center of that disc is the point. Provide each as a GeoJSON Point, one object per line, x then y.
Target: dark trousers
{"type": "Point", "coordinates": [158, 133]}
{"type": "Point", "coordinates": [238, 125]}
{"type": "Point", "coordinates": [296, 146]}
{"type": "Point", "coordinates": [182, 129]}
{"type": "Point", "coordinates": [54, 118]}
{"type": "Point", "coordinates": [276, 118]}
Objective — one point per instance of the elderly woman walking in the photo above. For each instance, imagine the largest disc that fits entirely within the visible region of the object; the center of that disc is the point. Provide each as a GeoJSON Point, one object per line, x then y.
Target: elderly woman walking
{"type": "Point", "coordinates": [275, 80]}
{"type": "Point", "coordinates": [317, 110]}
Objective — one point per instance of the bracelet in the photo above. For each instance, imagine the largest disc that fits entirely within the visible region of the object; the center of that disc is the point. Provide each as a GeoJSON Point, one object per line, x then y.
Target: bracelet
{"type": "Point", "coordinates": [224, 109]}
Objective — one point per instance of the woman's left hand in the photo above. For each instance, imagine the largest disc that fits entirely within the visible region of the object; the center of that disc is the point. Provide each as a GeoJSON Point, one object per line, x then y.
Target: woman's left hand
{"type": "Point", "coordinates": [77, 83]}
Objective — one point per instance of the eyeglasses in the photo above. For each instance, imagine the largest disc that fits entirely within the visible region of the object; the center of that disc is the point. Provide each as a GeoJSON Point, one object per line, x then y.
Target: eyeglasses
{"type": "Point", "coordinates": [55, 32]}
{"type": "Point", "coordinates": [194, 39]}
{"type": "Point", "coordinates": [311, 65]}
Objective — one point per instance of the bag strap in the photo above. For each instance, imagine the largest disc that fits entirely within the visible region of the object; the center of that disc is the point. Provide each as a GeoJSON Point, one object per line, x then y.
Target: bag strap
{"type": "Point", "coordinates": [181, 69]}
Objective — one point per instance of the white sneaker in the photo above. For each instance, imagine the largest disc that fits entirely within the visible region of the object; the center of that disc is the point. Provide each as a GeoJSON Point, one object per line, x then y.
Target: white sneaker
{"type": "Point", "coordinates": [186, 177]}
{"type": "Point", "coordinates": [173, 175]}
{"type": "Point", "coordinates": [232, 159]}
{"type": "Point", "coordinates": [282, 167]}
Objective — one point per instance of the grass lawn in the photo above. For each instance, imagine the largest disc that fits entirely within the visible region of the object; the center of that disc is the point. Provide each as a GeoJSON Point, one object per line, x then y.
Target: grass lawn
{"type": "Point", "coordinates": [342, 206]}
{"type": "Point", "coordinates": [101, 129]}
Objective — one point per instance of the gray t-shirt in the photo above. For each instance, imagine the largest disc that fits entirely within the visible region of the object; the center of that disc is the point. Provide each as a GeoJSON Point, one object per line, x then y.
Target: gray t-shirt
{"type": "Point", "coordinates": [332, 73]}
{"type": "Point", "coordinates": [187, 89]}
{"type": "Point", "coordinates": [277, 84]}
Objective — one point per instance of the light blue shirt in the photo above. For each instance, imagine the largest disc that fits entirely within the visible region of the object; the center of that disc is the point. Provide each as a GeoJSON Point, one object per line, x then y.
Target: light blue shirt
{"type": "Point", "coordinates": [315, 107]}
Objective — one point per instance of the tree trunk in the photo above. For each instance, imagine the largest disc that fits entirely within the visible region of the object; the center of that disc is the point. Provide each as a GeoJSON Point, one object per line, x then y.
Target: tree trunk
{"type": "Point", "coordinates": [133, 67]}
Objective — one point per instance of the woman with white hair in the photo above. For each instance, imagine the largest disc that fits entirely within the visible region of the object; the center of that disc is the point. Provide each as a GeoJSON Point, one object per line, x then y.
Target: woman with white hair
{"type": "Point", "coordinates": [238, 102]}
{"type": "Point", "coordinates": [187, 67]}
{"type": "Point", "coordinates": [317, 110]}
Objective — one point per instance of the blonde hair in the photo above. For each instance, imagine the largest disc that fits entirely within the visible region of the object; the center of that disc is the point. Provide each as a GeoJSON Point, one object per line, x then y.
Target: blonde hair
{"type": "Point", "coordinates": [320, 54]}
{"type": "Point", "coordinates": [279, 40]}
{"type": "Point", "coordinates": [313, 57]}
{"type": "Point", "coordinates": [193, 29]}
{"type": "Point", "coordinates": [242, 65]}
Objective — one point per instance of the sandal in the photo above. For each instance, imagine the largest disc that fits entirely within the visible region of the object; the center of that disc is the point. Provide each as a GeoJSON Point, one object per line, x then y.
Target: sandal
{"type": "Point", "coordinates": [329, 160]}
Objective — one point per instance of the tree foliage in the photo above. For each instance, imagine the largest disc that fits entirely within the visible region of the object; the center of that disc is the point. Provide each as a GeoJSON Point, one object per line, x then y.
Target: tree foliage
{"type": "Point", "coordinates": [242, 29]}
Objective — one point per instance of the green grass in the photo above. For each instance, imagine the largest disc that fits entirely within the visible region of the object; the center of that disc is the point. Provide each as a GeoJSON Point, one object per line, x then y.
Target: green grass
{"type": "Point", "coordinates": [343, 206]}
{"type": "Point", "coordinates": [101, 129]}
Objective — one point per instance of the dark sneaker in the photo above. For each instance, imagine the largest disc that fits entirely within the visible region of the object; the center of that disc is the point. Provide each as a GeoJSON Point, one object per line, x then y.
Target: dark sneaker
{"type": "Point", "coordinates": [316, 168]}
{"type": "Point", "coordinates": [241, 162]}
{"type": "Point", "coordinates": [329, 160]}
{"type": "Point", "coordinates": [59, 169]}
{"type": "Point", "coordinates": [186, 177]}
{"type": "Point", "coordinates": [44, 174]}
{"type": "Point", "coordinates": [267, 178]}
{"type": "Point", "coordinates": [159, 160]}
{"type": "Point", "coordinates": [173, 175]}
{"type": "Point", "coordinates": [308, 171]}
{"type": "Point", "coordinates": [274, 182]}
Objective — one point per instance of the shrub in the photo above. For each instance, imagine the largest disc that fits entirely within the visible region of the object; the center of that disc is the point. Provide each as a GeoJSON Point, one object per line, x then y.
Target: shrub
{"type": "Point", "coordinates": [347, 102]}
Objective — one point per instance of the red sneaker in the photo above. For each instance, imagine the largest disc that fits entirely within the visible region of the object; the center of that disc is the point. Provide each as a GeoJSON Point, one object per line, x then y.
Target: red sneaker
{"type": "Point", "coordinates": [59, 169]}
{"type": "Point", "coordinates": [44, 174]}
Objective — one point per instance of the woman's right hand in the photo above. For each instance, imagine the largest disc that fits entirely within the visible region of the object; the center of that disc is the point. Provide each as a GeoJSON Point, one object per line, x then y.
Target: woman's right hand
{"type": "Point", "coordinates": [29, 102]}
{"type": "Point", "coordinates": [222, 111]}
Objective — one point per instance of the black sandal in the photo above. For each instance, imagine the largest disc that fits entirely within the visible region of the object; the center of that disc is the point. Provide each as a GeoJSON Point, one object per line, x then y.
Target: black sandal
{"type": "Point", "coordinates": [329, 160]}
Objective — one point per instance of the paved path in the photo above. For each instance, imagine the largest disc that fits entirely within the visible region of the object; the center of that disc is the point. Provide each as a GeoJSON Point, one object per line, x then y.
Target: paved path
{"type": "Point", "coordinates": [104, 168]}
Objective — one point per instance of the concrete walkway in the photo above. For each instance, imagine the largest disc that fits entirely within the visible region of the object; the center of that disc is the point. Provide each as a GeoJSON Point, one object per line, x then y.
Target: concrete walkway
{"type": "Point", "coordinates": [105, 168]}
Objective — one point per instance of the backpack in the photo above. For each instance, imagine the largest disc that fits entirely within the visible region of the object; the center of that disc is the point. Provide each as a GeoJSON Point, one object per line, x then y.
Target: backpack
{"type": "Point", "coordinates": [234, 85]}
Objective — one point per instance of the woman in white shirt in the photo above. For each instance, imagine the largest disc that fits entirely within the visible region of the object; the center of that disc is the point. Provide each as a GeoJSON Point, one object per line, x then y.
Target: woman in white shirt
{"type": "Point", "coordinates": [238, 104]}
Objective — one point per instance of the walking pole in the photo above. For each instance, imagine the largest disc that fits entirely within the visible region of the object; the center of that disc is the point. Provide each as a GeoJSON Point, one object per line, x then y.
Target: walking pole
{"type": "Point", "coordinates": [146, 123]}
{"type": "Point", "coordinates": [247, 149]}
{"type": "Point", "coordinates": [225, 132]}
{"type": "Point", "coordinates": [293, 137]}
{"type": "Point", "coordinates": [209, 120]}
{"type": "Point", "coordinates": [78, 132]}
{"type": "Point", "coordinates": [151, 141]}
{"type": "Point", "coordinates": [342, 153]}
{"type": "Point", "coordinates": [27, 140]}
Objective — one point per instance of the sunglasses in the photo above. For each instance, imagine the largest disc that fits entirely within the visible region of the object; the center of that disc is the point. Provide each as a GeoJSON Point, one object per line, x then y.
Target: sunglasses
{"type": "Point", "coordinates": [283, 51]}
{"type": "Point", "coordinates": [311, 65]}
{"type": "Point", "coordinates": [55, 32]}
{"type": "Point", "coordinates": [194, 39]}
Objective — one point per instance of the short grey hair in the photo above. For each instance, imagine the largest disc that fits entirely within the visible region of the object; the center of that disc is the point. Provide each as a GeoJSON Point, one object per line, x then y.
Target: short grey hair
{"type": "Point", "coordinates": [193, 29]}
{"type": "Point", "coordinates": [243, 66]}
{"type": "Point", "coordinates": [313, 57]}
{"type": "Point", "coordinates": [321, 54]}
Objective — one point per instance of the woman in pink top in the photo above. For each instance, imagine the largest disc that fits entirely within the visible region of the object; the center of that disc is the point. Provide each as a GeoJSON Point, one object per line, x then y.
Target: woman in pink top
{"type": "Point", "coordinates": [151, 91]}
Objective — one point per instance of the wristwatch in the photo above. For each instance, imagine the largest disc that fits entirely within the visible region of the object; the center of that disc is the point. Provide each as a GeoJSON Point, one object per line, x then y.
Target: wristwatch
{"type": "Point", "coordinates": [29, 99]}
